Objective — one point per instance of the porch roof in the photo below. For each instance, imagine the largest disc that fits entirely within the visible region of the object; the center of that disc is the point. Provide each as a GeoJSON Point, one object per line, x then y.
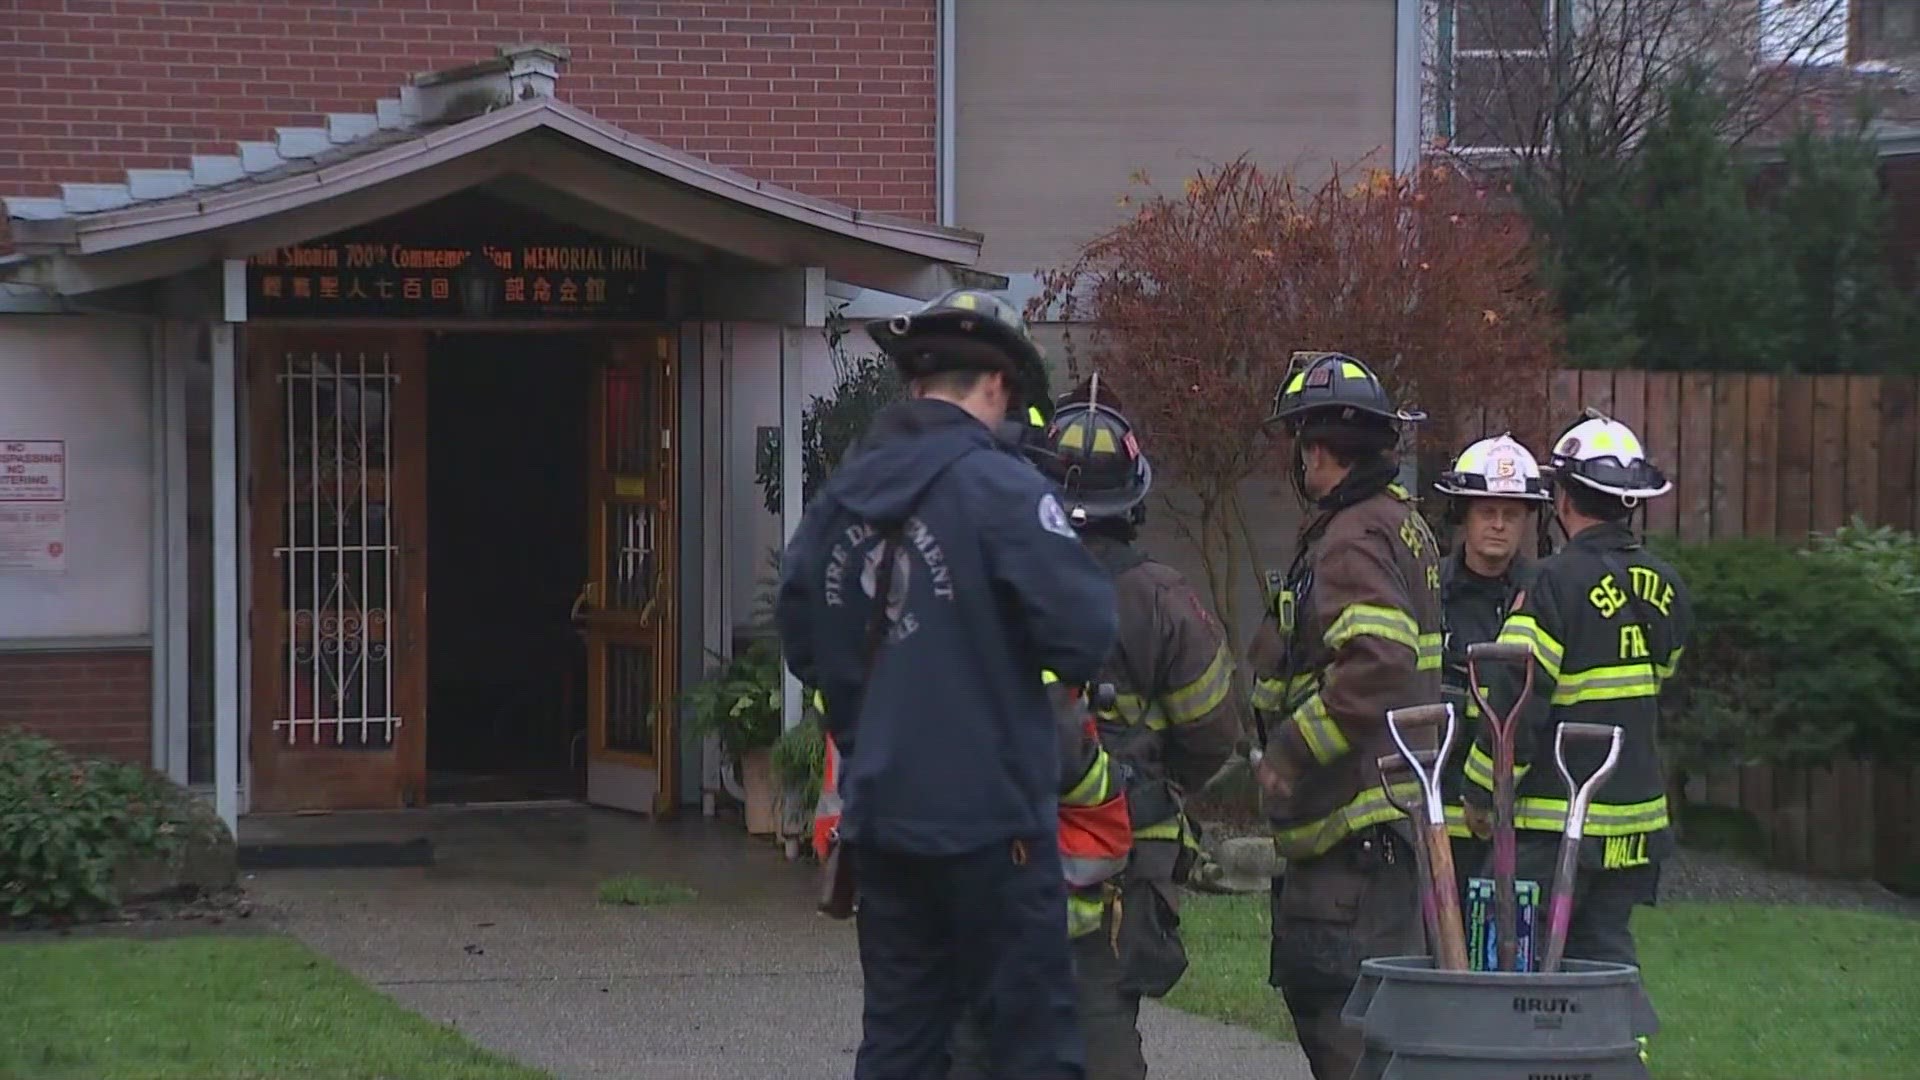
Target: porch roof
{"type": "Point", "coordinates": [540, 152]}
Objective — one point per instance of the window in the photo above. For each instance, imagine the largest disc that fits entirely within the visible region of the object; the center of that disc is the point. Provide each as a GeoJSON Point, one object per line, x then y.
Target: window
{"type": "Point", "coordinates": [1493, 71]}
{"type": "Point", "coordinates": [1886, 29]}
{"type": "Point", "coordinates": [1805, 31]}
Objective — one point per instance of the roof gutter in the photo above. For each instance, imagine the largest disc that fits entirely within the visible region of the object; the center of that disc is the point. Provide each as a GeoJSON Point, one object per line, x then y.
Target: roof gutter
{"type": "Point", "coordinates": [1407, 71]}
{"type": "Point", "coordinates": [946, 111]}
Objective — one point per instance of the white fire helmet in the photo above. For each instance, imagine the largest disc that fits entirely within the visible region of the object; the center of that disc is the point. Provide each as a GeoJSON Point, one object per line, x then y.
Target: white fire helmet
{"type": "Point", "coordinates": [1496, 468]}
{"type": "Point", "coordinates": [1605, 455]}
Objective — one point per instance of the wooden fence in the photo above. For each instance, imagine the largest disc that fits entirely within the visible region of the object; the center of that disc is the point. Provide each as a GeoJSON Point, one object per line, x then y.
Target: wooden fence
{"type": "Point", "coordinates": [1764, 455]}
{"type": "Point", "coordinates": [1852, 819]}
{"type": "Point", "coordinates": [1782, 456]}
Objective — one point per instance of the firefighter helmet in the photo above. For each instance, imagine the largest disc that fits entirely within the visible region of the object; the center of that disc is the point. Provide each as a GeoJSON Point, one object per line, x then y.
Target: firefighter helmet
{"type": "Point", "coordinates": [965, 313]}
{"type": "Point", "coordinates": [1496, 468]}
{"type": "Point", "coordinates": [1336, 387]}
{"type": "Point", "coordinates": [1092, 453]}
{"type": "Point", "coordinates": [1605, 455]}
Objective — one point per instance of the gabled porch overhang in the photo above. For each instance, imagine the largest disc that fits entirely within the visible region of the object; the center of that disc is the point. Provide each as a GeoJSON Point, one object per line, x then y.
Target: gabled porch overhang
{"type": "Point", "coordinates": [540, 153]}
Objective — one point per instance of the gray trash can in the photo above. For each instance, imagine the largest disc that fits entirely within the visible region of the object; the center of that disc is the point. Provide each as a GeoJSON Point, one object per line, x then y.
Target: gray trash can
{"type": "Point", "coordinates": [1580, 1023]}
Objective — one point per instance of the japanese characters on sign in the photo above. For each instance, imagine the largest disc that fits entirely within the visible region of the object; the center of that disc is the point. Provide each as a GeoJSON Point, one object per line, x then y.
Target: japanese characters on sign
{"type": "Point", "coordinates": [508, 280]}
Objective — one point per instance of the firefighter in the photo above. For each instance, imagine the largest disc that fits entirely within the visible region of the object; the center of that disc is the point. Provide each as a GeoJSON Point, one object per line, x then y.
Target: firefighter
{"type": "Point", "coordinates": [1496, 491]}
{"type": "Point", "coordinates": [1096, 839]}
{"type": "Point", "coordinates": [928, 584]}
{"type": "Point", "coordinates": [1606, 621]}
{"type": "Point", "coordinates": [1172, 724]}
{"type": "Point", "coordinates": [1355, 630]}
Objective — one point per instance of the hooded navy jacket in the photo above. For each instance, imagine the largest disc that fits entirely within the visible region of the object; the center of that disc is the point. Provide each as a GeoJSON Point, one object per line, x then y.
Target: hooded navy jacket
{"type": "Point", "coordinates": [950, 745]}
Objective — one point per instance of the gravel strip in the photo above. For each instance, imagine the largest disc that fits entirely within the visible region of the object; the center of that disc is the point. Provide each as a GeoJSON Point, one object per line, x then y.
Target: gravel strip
{"type": "Point", "coordinates": [1697, 875]}
{"type": "Point", "coordinates": [1694, 875]}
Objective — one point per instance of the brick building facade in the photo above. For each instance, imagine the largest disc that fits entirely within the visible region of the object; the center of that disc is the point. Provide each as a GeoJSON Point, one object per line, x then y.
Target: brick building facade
{"type": "Point", "coordinates": [833, 98]}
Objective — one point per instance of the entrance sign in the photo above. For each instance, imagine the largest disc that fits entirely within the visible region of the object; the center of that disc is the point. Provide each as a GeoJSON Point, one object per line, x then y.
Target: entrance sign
{"type": "Point", "coordinates": [33, 471]}
{"type": "Point", "coordinates": [376, 278]}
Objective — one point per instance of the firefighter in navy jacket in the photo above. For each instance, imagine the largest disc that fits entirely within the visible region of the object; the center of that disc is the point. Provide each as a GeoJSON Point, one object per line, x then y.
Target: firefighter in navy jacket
{"type": "Point", "coordinates": [935, 700]}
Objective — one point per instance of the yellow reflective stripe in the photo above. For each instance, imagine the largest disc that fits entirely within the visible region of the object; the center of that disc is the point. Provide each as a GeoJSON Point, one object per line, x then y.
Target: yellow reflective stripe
{"type": "Point", "coordinates": [1431, 651]}
{"type": "Point", "coordinates": [1480, 768]}
{"type": "Point", "coordinates": [1367, 809]}
{"type": "Point", "coordinates": [1616, 683]}
{"type": "Point", "coordinates": [1034, 418]}
{"type": "Point", "coordinates": [1095, 787]}
{"type": "Point", "coordinates": [1048, 678]}
{"type": "Point", "coordinates": [1204, 694]}
{"type": "Point", "coordinates": [1665, 671]}
{"type": "Point", "coordinates": [1603, 819]}
{"type": "Point", "coordinates": [1135, 710]}
{"type": "Point", "coordinates": [1085, 912]}
{"type": "Point", "coordinates": [1322, 735]}
{"type": "Point", "coordinates": [1382, 622]}
{"type": "Point", "coordinates": [1161, 830]}
{"type": "Point", "coordinates": [1269, 695]}
{"type": "Point", "coordinates": [1457, 823]}
{"type": "Point", "coordinates": [1522, 629]}
{"type": "Point", "coordinates": [819, 703]}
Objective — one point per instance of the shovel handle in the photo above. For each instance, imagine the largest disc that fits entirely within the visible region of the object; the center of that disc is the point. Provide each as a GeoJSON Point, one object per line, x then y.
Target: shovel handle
{"type": "Point", "coordinates": [1441, 715]}
{"type": "Point", "coordinates": [1396, 764]}
{"type": "Point", "coordinates": [1499, 650]}
{"type": "Point", "coordinates": [1393, 767]}
{"type": "Point", "coordinates": [1501, 730]}
{"type": "Point", "coordinates": [1579, 795]}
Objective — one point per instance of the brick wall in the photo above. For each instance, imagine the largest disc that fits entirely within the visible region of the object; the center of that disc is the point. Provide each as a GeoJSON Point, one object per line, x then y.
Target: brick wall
{"type": "Point", "coordinates": [95, 703]}
{"type": "Point", "coordinates": [835, 99]}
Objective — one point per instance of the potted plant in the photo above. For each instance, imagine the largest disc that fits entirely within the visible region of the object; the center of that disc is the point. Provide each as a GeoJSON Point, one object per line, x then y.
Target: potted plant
{"type": "Point", "coordinates": [739, 705]}
{"type": "Point", "coordinates": [799, 761]}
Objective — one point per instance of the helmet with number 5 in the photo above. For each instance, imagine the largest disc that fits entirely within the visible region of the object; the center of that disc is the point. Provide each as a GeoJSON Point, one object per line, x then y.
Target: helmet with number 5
{"type": "Point", "coordinates": [1496, 468]}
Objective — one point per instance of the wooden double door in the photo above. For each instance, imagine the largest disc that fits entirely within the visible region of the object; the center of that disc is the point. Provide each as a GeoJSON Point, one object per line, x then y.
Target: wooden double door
{"type": "Point", "coordinates": [338, 496]}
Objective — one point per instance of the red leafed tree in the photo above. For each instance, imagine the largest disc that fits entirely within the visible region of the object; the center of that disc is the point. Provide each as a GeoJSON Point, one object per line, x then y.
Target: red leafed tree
{"type": "Point", "coordinates": [1195, 305]}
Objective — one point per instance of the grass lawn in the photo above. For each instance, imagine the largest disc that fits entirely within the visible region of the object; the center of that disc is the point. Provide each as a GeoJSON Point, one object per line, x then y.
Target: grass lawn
{"type": "Point", "coordinates": [633, 890]}
{"type": "Point", "coordinates": [213, 1008]}
{"type": "Point", "coordinates": [1744, 991]}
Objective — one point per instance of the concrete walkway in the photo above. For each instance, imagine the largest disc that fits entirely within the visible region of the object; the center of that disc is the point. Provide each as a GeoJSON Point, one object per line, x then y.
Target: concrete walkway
{"type": "Point", "coordinates": [502, 938]}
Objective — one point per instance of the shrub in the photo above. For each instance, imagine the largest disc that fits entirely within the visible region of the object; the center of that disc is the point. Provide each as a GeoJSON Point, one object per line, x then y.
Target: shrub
{"type": "Point", "coordinates": [66, 824]}
{"type": "Point", "coordinates": [831, 423]}
{"type": "Point", "coordinates": [1796, 656]}
{"type": "Point", "coordinates": [1885, 555]}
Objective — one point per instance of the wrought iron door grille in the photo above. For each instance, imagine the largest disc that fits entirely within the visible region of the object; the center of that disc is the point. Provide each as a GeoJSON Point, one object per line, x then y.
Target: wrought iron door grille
{"type": "Point", "coordinates": [338, 553]}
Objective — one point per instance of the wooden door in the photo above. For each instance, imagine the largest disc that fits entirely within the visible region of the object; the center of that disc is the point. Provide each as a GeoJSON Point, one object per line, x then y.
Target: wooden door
{"type": "Point", "coordinates": [627, 610]}
{"type": "Point", "coordinates": [339, 568]}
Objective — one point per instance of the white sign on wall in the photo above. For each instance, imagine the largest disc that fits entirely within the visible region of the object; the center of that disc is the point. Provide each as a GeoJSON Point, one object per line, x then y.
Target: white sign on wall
{"type": "Point", "coordinates": [33, 471]}
{"type": "Point", "coordinates": [33, 505]}
{"type": "Point", "coordinates": [79, 392]}
{"type": "Point", "coordinates": [33, 538]}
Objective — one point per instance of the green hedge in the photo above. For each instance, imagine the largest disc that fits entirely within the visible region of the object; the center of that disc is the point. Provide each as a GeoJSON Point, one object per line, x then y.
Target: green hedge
{"type": "Point", "coordinates": [1798, 656]}
{"type": "Point", "coordinates": [66, 824]}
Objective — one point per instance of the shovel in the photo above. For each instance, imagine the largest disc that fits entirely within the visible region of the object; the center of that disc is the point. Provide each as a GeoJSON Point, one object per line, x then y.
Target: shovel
{"type": "Point", "coordinates": [1579, 797]}
{"type": "Point", "coordinates": [1393, 768]}
{"type": "Point", "coordinates": [1438, 888]}
{"type": "Point", "coordinates": [1501, 731]}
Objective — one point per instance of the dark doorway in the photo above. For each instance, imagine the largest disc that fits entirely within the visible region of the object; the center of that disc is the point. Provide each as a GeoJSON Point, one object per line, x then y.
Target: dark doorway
{"type": "Point", "coordinates": [506, 555]}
